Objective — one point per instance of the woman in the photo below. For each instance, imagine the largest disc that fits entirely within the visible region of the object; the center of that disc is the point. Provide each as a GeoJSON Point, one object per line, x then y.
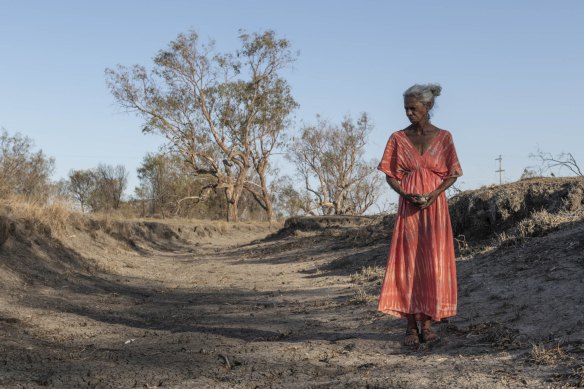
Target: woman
{"type": "Point", "coordinates": [420, 163]}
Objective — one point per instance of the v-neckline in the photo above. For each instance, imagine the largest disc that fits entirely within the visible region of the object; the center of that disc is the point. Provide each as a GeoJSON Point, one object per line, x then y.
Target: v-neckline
{"type": "Point", "coordinates": [414, 146]}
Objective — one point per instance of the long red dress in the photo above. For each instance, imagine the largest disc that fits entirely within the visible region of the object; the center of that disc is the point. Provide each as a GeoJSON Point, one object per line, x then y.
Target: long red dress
{"type": "Point", "coordinates": [421, 271]}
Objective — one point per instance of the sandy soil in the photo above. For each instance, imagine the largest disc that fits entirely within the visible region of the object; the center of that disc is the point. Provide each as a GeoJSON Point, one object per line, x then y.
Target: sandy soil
{"type": "Point", "coordinates": [296, 310]}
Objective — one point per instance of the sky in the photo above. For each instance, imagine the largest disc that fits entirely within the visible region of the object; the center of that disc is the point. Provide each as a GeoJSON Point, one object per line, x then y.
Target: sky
{"type": "Point", "coordinates": [511, 71]}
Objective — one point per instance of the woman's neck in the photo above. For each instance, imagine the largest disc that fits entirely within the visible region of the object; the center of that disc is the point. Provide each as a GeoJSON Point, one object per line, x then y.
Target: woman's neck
{"type": "Point", "coordinates": [422, 127]}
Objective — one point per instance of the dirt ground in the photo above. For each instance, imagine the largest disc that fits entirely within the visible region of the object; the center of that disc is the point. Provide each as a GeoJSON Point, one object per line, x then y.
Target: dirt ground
{"type": "Point", "coordinates": [232, 309]}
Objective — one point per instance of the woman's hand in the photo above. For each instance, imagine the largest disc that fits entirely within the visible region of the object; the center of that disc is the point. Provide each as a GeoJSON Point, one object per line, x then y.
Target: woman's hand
{"type": "Point", "coordinates": [416, 199]}
{"type": "Point", "coordinates": [431, 198]}
{"type": "Point", "coordinates": [422, 201]}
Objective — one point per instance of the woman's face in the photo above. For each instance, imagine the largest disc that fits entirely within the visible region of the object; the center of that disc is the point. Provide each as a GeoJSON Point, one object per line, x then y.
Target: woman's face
{"type": "Point", "coordinates": [416, 111]}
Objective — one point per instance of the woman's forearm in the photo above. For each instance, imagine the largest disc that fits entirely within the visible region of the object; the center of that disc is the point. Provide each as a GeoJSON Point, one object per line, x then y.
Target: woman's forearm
{"type": "Point", "coordinates": [447, 183]}
{"type": "Point", "coordinates": [395, 185]}
{"type": "Point", "coordinates": [416, 198]}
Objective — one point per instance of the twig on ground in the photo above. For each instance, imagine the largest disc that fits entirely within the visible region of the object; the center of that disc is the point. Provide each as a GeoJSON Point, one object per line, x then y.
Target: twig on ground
{"type": "Point", "coordinates": [226, 361]}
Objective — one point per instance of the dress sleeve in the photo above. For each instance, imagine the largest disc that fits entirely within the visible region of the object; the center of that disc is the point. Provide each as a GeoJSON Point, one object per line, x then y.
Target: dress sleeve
{"type": "Point", "coordinates": [453, 168]}
{"type": "Point", "coordinates": [389, 163]}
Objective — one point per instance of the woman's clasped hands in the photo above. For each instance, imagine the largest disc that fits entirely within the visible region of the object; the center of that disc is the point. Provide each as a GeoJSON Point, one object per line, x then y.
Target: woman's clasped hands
{"type": "Point", "coordinates": [422, 201]}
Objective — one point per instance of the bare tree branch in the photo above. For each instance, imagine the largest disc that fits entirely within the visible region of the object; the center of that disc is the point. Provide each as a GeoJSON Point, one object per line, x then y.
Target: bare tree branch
{"type": "Point", "coordinates": [329, 160]}
{"type": "Point", "coordinates": [219, 111]}
{"type": "Point", "coordinates": [548, 162]}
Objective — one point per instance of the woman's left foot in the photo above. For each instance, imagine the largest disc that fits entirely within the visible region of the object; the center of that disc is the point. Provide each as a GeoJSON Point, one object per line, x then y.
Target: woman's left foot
{"type": "Point", "coordinates": [429, 336]}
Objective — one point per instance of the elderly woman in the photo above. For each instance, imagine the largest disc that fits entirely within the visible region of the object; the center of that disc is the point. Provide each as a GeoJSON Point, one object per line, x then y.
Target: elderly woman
{"type": "Point", "coordinates": [420, 163]}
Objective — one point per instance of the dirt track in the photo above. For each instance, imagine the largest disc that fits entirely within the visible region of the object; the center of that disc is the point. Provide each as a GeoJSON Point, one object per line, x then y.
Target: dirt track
{"type": "Point", "coordinates": [297, 311]}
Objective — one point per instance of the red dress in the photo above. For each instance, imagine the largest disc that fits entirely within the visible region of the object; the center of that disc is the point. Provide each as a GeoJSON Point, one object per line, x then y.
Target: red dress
{"type": "Point", "coordinates": [421, 271]}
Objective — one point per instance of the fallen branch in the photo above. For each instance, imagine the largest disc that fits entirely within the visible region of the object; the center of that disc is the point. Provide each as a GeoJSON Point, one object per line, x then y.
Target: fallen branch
{"type": "Point", "coordinates": [226, 361]}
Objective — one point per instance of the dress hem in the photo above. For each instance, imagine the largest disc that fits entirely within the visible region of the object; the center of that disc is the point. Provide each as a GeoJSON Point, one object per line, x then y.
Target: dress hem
{"type": "Point", "coordinates": [403, 314]}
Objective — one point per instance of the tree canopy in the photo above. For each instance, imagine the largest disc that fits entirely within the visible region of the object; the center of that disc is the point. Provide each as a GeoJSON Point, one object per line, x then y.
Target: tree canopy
{"type": "Point", "coordinates": [223, 113]}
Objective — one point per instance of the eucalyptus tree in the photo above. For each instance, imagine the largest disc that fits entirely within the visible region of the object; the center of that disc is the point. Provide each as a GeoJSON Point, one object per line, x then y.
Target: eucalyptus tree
{"type": "Point", "coordinates": [329, 159]}
{"type": "Point", "coordinates": [214, 109]}
{"type": "Point", "coordinates": [275, 108]}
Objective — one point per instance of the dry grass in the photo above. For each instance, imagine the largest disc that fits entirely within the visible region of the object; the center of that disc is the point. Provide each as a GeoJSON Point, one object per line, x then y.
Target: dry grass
{"type": "Point", "coordinates": [578, 376]}
{"type": "Point", "coordinates": [362, 297]}
{"type": "Point", "coordinates": [541, 222]}
{"type": "Point", "coordinates": [368, 274]}
{"type": "Point", "coordinates": [59, 218]}
{"type": "Point", "coordinates": [505, 239]}
{"type": "Point", "coordinates": [540, 355]}
{"type": "Point", "coordinates": [360, 237]}
{"type": "Point", "coordinates": [53, 218]}
{"type": "Point", "coordinates": [463, 247]}
{"type": "Point", "coordinates": [508, 210]}
{"type": "Point", "coordinates": [496, 334]}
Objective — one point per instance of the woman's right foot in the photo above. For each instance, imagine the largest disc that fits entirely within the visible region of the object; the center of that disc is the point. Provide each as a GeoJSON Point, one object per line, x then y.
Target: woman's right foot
{"type": "Point", "coordinates": [412, 338]}
{"type": "Point", "coordinates": [428, 334]}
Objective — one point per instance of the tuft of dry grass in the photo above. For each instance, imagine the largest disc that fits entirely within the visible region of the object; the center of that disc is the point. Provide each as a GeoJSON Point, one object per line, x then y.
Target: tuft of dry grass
{"type": "Point", "coordinates": [110, 223]}
{"type": "Point", "coordinates": [578, 376]}
{"type": "Point", "coordinates": [495, 333]}
{"type": "Point", "coordinates": [360, 237]}
{"type": "Point", "coordinates": [504, 239]}
{"type": "Point", "coordinates": [362, 297]}
{"type": "Point", "coordinates": [367, 274]}
{"type": "Point", "coordinates": [463, 247]}
{"type": "Point", "coordinates": [540, 355]}
{"type": "Point", "coordinates": [541, 222]}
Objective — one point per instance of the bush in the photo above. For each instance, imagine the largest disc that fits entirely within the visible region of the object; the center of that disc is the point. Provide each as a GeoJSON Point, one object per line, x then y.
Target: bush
{"type": "Point", "coordinates": [23, 172]}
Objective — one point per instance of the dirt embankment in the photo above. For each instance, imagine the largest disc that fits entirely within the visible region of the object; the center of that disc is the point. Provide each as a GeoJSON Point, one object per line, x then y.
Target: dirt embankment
{"type": "Point", "coordinates": [50, 242]}
{"type": "Point", "coordinates": [527, 208]}
{"type": "Point", "coordinates": [103, 303]}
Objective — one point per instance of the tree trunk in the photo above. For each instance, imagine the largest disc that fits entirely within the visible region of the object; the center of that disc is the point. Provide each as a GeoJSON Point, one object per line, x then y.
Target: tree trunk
{"type": "Point", "coordinates": [266, 195]}
{"type": "Point", "coordinates": [269, 210]}
{"type": "Point", "coordinates": [231, 205]}
{"type": "Point", "coordinates": [233, 194]}
{"type": "Point", "coordinates": [232, 211]}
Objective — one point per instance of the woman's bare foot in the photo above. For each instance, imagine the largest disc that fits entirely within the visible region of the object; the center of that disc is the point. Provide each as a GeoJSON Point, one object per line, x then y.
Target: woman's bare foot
{"type": "Point", "coordinates": [412, 334]}
{"type": "Point", "coordinates": [428, 334]}
{"type": "Point", "coordinates": [412, 338]}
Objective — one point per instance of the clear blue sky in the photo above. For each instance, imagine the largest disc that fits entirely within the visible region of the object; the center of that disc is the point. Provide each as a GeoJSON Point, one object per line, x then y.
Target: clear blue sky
{"type": "Point", "coordinates": [511, 71]}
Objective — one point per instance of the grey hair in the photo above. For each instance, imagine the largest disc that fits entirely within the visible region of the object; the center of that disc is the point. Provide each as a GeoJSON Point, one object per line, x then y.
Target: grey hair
{"type": "Point", "coordinates": [425, 93]}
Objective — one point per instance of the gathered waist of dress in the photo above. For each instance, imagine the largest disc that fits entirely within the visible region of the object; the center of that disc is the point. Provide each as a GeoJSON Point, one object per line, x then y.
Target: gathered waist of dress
{"type": "Point", "coordinates": [420, 180]}
{"type": "Point", "coordinates": [419, 169]}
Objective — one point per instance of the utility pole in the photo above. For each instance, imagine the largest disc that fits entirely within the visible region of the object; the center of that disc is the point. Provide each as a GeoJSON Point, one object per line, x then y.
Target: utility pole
{"type": "Point", "coordinates": [501, 170]}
